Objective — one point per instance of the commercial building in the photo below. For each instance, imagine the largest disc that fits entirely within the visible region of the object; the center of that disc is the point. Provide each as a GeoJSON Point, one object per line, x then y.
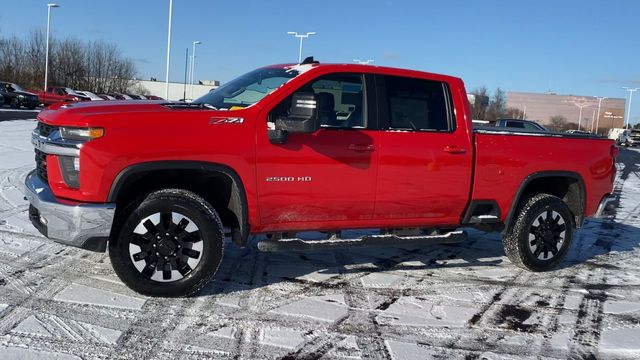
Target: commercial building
{"type": "Point", "coordinates": [542, 107]}
{"type": "Point", "coordinates": [178, 91]}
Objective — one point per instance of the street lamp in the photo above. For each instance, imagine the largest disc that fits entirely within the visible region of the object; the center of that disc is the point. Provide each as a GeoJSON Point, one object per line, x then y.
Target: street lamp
{"type": "Point", "coordinates": [363, 62]}
{"type": "Point", "coordinates": [193, 66]}
{"type": "Point", "coordinates": [301, 37]}
{"type": "Point", "coordinates": [598, 118]}
{"type": "Point", "coordinates": [166, 80]}
{"type": "Point", "coordinates": [581, 106]}
{"type": "Point", "coordinates": [631, 91]}
{"type": "Point", "coordinates": [46, 56]}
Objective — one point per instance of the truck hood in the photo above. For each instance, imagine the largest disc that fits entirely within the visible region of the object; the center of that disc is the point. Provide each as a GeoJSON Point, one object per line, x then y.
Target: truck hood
{"type": "Point", "coordinates": [83, 113]}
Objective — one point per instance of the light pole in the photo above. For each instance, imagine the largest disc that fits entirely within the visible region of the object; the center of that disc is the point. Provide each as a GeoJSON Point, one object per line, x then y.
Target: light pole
{"type": "Point", "coordinates": [631, 91]}
{"type": "Point", "coordinates": [166, 79]}
{"type": "Point", "coordinates": [46, 56]}
{"type": "Point", "coordinates": [193, 67]}
{"type": "Point", "coordinates": [581, 106]}
{"type": "Point", "coordinates": [600, 99]}
{"type": "Point", "coordinates": [363, 62]}
{"type": "Point", "coordinates": [301, 37]}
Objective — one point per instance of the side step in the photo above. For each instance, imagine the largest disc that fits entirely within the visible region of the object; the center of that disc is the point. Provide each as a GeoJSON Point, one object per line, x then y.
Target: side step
{"type": "Point", "coordinates": [297, 244]}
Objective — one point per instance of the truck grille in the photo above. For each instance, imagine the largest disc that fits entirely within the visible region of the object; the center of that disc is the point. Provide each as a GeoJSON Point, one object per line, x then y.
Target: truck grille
{"type": "Point", "coordinates": [41, 165]}
{"type": "Point", "coordinates": [44, 129]}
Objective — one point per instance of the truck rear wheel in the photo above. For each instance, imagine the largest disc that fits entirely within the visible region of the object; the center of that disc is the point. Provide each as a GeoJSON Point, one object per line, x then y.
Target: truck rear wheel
{"type": "Point", "coordinates": [541, 235]}
{"type": "Point", "coordinates": [170, 245]}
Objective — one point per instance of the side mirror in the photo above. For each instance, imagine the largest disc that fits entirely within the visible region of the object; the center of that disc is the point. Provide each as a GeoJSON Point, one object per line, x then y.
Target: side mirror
{"type": "Point", "coordinates": [303, 114]}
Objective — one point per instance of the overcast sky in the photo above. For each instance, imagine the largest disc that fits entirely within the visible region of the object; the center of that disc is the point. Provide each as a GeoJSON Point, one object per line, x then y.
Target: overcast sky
{"type": "Point", "coordinates": [584, 47]}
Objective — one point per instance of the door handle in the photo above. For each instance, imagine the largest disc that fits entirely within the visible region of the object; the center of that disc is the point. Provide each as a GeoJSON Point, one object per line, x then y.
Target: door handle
{"type": "Point", "coordinates": [361, 147]}
{"type": "Point", "coordinates": [454, 149]}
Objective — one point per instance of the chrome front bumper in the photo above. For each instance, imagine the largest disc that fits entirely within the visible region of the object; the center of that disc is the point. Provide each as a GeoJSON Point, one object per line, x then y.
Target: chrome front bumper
{"type": "Point", "coordinates": [606, 209]}
{"type": "Point", "coordinates": [83, 225]}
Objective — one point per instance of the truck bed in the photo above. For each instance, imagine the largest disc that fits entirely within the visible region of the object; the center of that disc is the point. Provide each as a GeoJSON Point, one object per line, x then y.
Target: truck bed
{"type": "Point", "coordinates": [505, 159]}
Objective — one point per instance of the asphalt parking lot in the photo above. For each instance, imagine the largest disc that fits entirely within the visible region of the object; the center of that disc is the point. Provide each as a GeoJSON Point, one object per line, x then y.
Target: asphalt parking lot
{"type": "Point", "coordinates": [8, 114]}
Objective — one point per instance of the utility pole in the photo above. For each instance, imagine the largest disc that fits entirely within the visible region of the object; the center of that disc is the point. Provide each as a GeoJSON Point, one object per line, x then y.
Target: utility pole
{"type": "Point", "coordinates": [581, 106]}
{"type": "Point", "coordinates": [46, 56]}
{"type": "Point", "coordinates": [186, 66]}
{"type": "Point", "coordinates": [631, 91]}
{"type": "Point", "coordinates": [600, 99]}
{"type": "Point", "coordinates": [301, 37]}
{"type": "Point", "coordinates": [166, 80]}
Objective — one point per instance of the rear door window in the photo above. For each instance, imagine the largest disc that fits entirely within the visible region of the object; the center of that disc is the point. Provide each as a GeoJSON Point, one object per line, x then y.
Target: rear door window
{"type": "Point", "coordinates": [418, 104]}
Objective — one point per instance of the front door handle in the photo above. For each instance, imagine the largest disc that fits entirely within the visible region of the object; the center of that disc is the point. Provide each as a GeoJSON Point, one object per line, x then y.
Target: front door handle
{"type": "Point", "coordinates": [361, 147]}
{"type": "Point", "coordinates": [454, 149]}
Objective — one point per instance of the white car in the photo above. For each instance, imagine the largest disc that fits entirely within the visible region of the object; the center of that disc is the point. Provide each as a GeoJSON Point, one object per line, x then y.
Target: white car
{"type": "Point", "coordinates": [90, 95]}
{"type": "Point", "coordinates": [621, 136]}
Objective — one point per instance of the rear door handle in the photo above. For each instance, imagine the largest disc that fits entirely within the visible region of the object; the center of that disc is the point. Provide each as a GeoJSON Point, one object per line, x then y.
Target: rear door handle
{"type": "Point", "coordinates": [454, 150]}
{"type": "Point", "coordinates": [361, 147]}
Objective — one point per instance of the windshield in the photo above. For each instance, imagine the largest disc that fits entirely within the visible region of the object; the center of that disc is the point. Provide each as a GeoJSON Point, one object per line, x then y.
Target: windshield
{"type": "Point", "coordinates": [11, 87]}
{"type": "Point", "coordinates": [248, 89]}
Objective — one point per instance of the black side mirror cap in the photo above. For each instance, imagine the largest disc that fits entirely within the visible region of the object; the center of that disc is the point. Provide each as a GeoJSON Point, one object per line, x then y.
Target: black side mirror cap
{"type": "Point", "coordinates": [277, 136]}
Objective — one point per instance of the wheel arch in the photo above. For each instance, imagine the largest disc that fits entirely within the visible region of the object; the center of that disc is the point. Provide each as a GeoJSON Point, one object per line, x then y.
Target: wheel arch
{"type": "Point", "coordinates": [200, 177]}
{"type": "Point", "coordinates": [567, 185]}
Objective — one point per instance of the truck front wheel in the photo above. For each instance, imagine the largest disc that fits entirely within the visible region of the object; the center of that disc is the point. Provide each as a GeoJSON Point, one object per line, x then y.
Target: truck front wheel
{"type": "Point", "coordinates": [170, 245]}
{"type": "Point", "coordinates": [541, 235]}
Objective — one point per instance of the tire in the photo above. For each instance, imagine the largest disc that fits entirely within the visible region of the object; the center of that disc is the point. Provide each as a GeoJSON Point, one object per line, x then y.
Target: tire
{"type": "Point", "coordinates": [170, 245]}
{"type": "Point", "coordinates": [541, 235]}
{"type": "Point", "coordinates": [15, 103]}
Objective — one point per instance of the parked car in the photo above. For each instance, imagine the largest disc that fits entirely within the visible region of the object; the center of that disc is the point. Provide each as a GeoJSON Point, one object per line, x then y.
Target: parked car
{"type": "Point", "coordinates": [633, 138]}
{"type": "Point", "coordinates": [55, 94]}
{"type": "Point", "coordinates": [579, 132]}
{"type": "Point", "coordinates": [153, 97]}
{"type": "Point", "coordinates": [106, 97]}
{"type": "Point", "coordinates": [619, 135]}
{"type": "Point", "coordinates": [520, 124]}
{"type": "Point", "coordinates": [16, 97]}
{"type": "Point", "coordinates": [90, 95]}
{"type": "Point", "coordinates": [119, 96]}
{"type": "Point", "coordinates": [305, 147]}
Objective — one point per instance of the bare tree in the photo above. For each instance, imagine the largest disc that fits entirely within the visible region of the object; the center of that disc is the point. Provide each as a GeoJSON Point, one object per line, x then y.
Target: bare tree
{"type": "Point", "coordinates": [479, 107]}
{"type": "Point", "coordinates": [95, 66]}
{"type": "Point", "coordinates": [513, 113]}
{"type": "Point", "coordinates": [497, 105]}
{"type": "Point", "coordinates": [559, 123]}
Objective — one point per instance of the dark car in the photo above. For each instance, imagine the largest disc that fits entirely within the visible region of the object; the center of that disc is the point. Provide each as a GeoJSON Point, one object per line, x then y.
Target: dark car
{"type": "Point", "coordinates": [16, 97]}
{"type": "Point", "coordinates": [520, 124]}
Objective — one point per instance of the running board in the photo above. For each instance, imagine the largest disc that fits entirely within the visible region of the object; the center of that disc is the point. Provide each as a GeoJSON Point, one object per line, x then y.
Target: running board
{"type": "Point", "coordinates": [297, 244]}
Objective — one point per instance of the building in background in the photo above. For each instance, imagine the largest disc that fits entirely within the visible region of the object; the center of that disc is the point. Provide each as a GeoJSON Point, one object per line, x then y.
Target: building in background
{"type": "Point", "coordinates": [542, 107]}
{"type": "Point", "coordinates": [177, 90]}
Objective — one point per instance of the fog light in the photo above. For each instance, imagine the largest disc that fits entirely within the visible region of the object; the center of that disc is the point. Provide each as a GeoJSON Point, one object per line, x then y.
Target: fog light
{"type": "Point", "coordinates": [70, 169]}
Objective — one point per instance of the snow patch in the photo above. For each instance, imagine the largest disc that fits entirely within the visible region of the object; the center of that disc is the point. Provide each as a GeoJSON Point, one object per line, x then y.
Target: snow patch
{"type": "Point", "coordinates": [409, 311]}
{"type": "Point", "coordinates": [282, 337]}
{"type": "Point", "coordinates": [621, 307]}
{"type": "Point", "coordinates": [82, 294]}
{"type": "Point", "coordinates": [328, 308]}
{"type": "Point", "coordinates": [621, 341]}
{"type": "Point", "coordinates": [382, 280]}
{"type": "Point", "coordinates": [29, 354]}
{"type": "Point", "coordinates": [401, 350]}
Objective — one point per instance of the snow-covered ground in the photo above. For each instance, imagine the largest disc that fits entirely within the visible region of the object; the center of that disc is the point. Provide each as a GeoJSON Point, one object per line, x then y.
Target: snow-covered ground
{"type": "Point", "coordinates": [457, 301]}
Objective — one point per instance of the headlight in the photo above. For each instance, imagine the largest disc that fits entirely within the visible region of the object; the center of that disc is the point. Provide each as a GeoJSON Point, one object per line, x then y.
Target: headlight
{"type": "Point", "coordinates": [81, 134]}
{"type": "Point", "coordinates": [70, 169]}
{"type": "Point", "coordinates": [20, 96]}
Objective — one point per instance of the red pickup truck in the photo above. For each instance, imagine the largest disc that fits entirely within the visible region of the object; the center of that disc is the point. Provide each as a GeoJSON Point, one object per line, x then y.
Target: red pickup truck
{"type": "Point", "coordinates": [292, 148]}
{"type": "Point", "coordinates": [56, 94]}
